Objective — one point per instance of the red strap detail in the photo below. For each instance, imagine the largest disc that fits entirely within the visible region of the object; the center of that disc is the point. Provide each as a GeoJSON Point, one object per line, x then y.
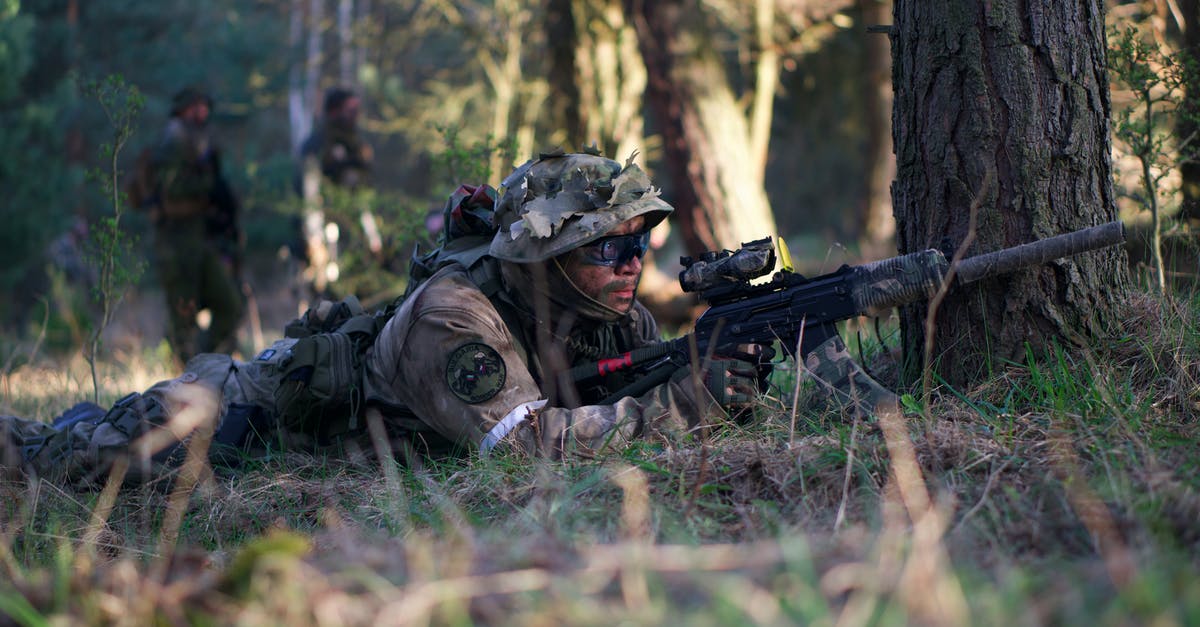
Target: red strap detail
{"type": "Point", "coordinates": [609, 366]}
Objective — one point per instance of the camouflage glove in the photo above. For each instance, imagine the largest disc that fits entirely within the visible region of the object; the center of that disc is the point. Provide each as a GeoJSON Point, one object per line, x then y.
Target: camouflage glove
{"type": "Point", "coordinates": [760, 356]}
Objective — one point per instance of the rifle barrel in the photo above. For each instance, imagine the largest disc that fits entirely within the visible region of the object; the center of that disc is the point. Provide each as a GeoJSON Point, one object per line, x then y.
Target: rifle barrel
{"type": "Point", "coordinates": [1041, 251]}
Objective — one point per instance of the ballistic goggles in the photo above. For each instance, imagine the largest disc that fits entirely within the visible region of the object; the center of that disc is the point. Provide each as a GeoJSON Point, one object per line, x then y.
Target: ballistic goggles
{"type": "Point", "coordinates": [616, 250]}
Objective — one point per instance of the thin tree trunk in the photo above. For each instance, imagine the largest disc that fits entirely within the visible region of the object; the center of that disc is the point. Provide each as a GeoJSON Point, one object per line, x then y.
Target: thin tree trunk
{"type": "Point", "coordinates": [505, 75]}
{"type": "Point", "coordinates": [717, 187]}
{"type": "Point", "coordinates": [612, 78]}
{"type": "Point", "coordinates": [1185, 127]}
{"type": "Point", "coordinates": [312, 56]}
{"type": "Point", "coordinates": [876, 226]}
{"type": "Point", "coordinates": [299, 112]}
{"type": "Point", "coordinates": [766, 77]}
{"type": "Point", "coordinates": [563, 41]}
{"type": "Point", "coordinates": [1016, 92]}
{"type": "Point", "coordinates": [362, 19]}
{"type": "Point", "coordinates": [345, 30]}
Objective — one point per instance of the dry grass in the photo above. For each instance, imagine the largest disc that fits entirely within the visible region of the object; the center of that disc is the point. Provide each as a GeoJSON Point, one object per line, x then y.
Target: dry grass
{"type": "Point", "coordinates": [1064, 490]}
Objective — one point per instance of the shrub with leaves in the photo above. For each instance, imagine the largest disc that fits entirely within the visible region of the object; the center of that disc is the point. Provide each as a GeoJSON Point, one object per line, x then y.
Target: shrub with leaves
{"type": "Point", "coordinates": [1156, 80]}
{"type": "Point", "coordinates": [111, 249]}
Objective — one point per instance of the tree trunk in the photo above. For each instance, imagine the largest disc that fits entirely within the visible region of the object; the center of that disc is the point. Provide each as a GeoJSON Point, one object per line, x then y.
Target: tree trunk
{"type": "Point", "coordinates": [1187, 126]}
{"type": "Point", "coordinates": [717, 183]}
{"type": "Point", "coordinates": [766, 84]}
{"type": "Point", "coordinates": [312, 54]}
{"type": "Point", "coordinates": [502, 65]}
{"type": "Point", "coordinates": [612, 78]}
{"type": "Point", "coordinates": [303, 71]}
{"type": "Point", "coordinates": [876, 226]}
{"type": "Point", "coordinates": [1016, 92]}
{"type": "Point", "coordinates": [562, 42]}
{"type": "Point", "coordinates": [345, 31]}
{"type": "Point", "coordinates": [363, 19]}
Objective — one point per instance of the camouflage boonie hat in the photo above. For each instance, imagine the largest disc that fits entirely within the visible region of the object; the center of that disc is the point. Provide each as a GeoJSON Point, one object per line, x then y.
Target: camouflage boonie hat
{"type": "Point", "coordinates": [559, 202]}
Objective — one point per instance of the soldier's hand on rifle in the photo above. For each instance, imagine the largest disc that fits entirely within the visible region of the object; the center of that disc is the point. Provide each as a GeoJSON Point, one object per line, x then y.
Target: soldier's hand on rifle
{"type": "Point", "coordinates": [760, 355]}
{"type": "Point", "coordinates": [732, 378]}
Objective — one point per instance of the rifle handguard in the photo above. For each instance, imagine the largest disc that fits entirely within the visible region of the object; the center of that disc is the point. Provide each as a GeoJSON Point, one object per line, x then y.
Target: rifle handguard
{"type": "Point", "coordinates": [881, 285]}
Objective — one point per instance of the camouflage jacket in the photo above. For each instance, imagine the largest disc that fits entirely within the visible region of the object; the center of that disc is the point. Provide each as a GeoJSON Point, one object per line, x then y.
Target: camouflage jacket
{"type": "Point", "coordinates": [448, 366]}
{"type": "Point", "coordinates": [187, 171]}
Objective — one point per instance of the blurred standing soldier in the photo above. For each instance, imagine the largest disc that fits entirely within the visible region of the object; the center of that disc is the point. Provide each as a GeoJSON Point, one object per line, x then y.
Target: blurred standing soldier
{"type": "Point", "coordinates": [197, 240]}
{"type": "Point", "coordinates": [334, 155]}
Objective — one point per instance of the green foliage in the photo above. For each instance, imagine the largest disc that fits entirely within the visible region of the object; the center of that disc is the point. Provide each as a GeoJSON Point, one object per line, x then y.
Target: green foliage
{"type": "Point", "coordinates": [32, 170]}
{"type": "Point", "coordinates": [1158, 81]}
{"type": "Point", "coordinates": [15, 50]}
{"type": "Point", "coordinates": [461, 162]}
{"type": "Point", "coordinates": [48, 135]}
{"type": "Point", "coordinates": [376, 278]}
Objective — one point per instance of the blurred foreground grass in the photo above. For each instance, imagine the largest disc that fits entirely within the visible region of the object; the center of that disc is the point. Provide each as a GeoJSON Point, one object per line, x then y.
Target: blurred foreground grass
{"type": "Point", "coordinates": [1064, 490]}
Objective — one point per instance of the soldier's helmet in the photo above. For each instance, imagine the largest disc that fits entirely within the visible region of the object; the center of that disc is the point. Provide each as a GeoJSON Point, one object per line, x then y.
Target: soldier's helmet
{"type": "Point", "coordinates": [188, 96]}
{"type": "Point", "coordinates": [558, 202]}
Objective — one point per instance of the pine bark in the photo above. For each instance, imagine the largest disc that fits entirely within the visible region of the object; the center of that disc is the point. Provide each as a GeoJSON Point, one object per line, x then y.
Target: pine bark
{"type": "Point", "coordinates": [874, 222]}
{"type": "Point", "coordinates": [1015, 92]}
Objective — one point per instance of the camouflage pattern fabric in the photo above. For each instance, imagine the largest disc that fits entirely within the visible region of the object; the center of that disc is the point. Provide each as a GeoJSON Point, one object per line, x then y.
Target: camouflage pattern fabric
{"type": "Point", "coordinates": [148, 429]}
{"type": "Point", "coordinates": [842, 381]}
{"type": "Point", "coordinates": [751, 261]}
{"type": "Point", "coordinates": [455, 367]}
{"type": "Point", "coordinates": [343, 157]}
{"type": "Point", "coordinates": [159, 419]}
{"type": "Point", "coordinates": [185, 167]}
{"type": "Point", "coordinates": [446, 371]}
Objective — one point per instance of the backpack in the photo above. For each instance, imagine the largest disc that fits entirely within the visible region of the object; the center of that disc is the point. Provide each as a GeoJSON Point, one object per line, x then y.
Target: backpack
{"type": "Point", "coordinates": [320, 391]}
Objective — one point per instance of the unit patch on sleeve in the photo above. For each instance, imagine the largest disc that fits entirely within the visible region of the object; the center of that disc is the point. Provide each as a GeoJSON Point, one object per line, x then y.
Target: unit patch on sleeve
{"type": "Point", "coordinates": [475, 372]}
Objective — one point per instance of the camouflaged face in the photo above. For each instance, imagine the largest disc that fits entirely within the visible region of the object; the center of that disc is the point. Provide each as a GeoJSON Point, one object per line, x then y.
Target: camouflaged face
{"type": "Point", "coordinates": [559, 202]}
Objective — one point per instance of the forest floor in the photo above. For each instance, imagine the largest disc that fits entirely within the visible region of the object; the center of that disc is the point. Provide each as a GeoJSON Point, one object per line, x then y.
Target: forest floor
{"type": "Point", "coordinates": [1061, 491]}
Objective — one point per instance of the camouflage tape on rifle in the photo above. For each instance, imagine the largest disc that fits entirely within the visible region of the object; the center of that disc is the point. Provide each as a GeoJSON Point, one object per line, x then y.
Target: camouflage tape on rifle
{"type": "Point", "coordinates": [881, 285]}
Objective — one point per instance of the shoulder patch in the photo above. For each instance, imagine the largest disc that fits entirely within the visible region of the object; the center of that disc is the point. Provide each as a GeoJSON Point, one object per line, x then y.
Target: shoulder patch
{"type": "Point", "coordinates": [475, 372]}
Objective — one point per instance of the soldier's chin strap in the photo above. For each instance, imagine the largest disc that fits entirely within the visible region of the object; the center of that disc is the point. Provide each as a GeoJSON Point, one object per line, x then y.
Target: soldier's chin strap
{"type": "Point", "coordinates": [588, 306]}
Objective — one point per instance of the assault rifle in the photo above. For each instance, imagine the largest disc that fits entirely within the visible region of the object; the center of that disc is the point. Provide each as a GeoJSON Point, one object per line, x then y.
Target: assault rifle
{"type": "Point", "coordinates": [792, 308]}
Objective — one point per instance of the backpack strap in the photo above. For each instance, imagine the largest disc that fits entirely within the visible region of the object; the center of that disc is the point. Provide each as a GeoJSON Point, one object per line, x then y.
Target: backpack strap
{"type": "Point", "coordinates": [485, 274]}
{"type": "Point", "coordinates": [363, 323]}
